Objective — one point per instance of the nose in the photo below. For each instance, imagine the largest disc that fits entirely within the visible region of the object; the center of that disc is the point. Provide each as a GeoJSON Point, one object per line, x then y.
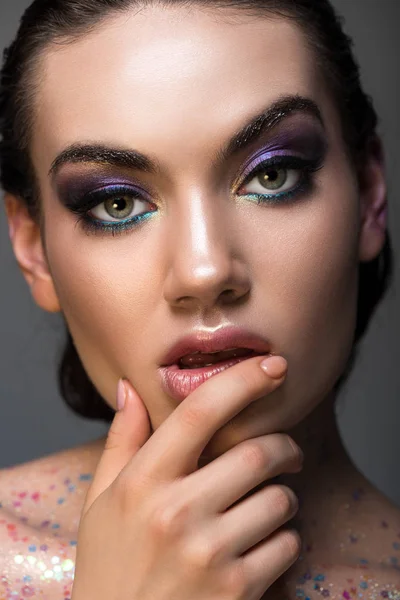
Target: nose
{"type": "Point", "coordinates": [206, 266]}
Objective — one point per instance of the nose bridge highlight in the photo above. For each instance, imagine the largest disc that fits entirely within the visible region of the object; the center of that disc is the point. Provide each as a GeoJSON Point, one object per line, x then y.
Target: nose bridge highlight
{"type": "Point", "coordinates": [202, 259]}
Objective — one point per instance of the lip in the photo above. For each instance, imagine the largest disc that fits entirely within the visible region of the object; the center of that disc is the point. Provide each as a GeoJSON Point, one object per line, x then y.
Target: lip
{"type": "Point", "coordinates": [179, 383]}
{"type": "Point", "coordinates": [215, 341]}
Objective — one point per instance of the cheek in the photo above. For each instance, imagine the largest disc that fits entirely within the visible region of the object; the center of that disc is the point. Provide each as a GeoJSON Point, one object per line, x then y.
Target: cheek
{"type": "Point", "coordinates": [304, 260]}
{"type": "Point", "coordinates": [319, 267]}
{"type": "Point", "coordinates": [314, 274]}
{"type": "Point", "coordinates": [107, 292]}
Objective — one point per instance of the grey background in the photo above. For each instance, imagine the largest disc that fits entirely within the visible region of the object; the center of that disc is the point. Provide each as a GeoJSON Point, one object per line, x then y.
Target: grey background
{"type": "Point", "coordinates": [34, 420]}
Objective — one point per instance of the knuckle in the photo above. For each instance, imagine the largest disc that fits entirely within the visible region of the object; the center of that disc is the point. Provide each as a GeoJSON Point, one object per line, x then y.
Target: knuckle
{"type": "Point", "coordinates": [169, 520]}
{"type": "Point", "coordinates": [291, 543]}
{"type": "Point", "coordinates": [253, 455]}
{"type": "Point", "coordinates": [121, 489]}
{"type": "Point", "coordinates": [285, 500]}
{"type": "Point", "coordinates": [195, 414]}
{"type": "Point", "coordinates": [203, 552]}
{"type": "Point", "coordinates": [125, 489]}
{"type": "Point", "coordinates": [126, 494]}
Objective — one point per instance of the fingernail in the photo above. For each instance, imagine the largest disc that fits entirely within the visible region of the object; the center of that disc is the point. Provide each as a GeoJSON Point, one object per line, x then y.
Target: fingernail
{"type": "Point", "coordinates": [121, 395]}
{"type": "Point", "coordinates": [274, 366]}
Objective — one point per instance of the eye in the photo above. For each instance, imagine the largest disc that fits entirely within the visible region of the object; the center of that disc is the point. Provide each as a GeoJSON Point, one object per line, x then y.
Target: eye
{"type": "Point", "coordinates": [272, 179]}
{"type": "Point", "coordinates": [118, 207]}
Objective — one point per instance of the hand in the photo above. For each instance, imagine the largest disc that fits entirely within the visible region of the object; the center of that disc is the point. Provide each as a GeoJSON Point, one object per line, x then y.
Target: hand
{"type": "Point", "coordinates": [154, 526]}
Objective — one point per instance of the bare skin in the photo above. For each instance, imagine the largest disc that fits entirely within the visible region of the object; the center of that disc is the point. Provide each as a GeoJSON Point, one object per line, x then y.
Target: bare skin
{"type": "Point", "coordinates": [353, 521]}
{"type": "Point", "coordinates": [304, 302]}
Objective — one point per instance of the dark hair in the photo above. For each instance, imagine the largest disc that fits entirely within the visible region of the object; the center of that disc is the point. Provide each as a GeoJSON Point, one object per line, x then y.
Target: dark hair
{"type": "Point", "coordinates": [62, 21]}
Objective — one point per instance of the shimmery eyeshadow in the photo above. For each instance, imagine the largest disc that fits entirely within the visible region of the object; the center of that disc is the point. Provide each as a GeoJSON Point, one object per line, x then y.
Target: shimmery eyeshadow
{"type": "Point", "coordinates": [306, 142]}
{"type": "Point", "coordinates": [72, 188]}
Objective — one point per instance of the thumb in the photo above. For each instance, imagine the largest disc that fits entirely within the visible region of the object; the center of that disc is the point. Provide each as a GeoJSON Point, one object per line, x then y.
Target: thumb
{"type": "Point", "coordinates": [129, 430]}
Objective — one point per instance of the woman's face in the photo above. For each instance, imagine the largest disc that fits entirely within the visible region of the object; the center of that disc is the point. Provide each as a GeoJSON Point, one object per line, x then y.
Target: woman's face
{"type": "Point", "coordinates": [176, 85]}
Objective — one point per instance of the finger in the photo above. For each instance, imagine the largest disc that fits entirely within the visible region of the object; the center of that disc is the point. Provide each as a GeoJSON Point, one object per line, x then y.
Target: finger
{"type": "Point", "coordinates": [236, 472]}
{"type": "Point", "coordinates": [266, 562]}
{"type": "Point", "coordinates": [264, 512]}
{"type": "Point", "coordinates": [176, 446]}
{"type": "Point", "coordinates": [129, 430]}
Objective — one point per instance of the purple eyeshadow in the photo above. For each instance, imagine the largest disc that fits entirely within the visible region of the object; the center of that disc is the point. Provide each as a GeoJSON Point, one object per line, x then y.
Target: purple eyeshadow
{"type": "Point", "coordinates": [71, 189]}
{"type": "Point", "coordinates": [307, 143]}
{"type": "Point", "coordinates": [303, 140]}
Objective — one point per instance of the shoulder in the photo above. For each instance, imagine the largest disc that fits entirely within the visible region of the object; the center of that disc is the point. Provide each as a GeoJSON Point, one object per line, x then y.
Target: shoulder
{"type": "Point", "coordinates": [345, 582]}
{"type": "Point", "coordinates": [33, 563]}
{"type": "Point", "coordinates": [48, 493]}
{"type": "Point", "coordinates": [83, 455]}
{"type": "Point", "coordinates": [42, 475]}
{"type": "Point", "coordinates": [40, 505]}
{"type": "Point", "coordinates": [351, 552]}
{"type": "Point", "coordinates": [361, 562]}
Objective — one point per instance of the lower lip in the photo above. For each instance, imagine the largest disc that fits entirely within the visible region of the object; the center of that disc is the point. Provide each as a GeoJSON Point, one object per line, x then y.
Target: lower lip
{"type": "Point", "coordinates": [179, 383]}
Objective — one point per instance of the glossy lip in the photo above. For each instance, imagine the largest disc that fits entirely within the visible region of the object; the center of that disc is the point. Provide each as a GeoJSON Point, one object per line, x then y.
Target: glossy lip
{"type": "Point", "coordinates": [179, 383]}
{"type": "Point", "coordinates": [215, 341]}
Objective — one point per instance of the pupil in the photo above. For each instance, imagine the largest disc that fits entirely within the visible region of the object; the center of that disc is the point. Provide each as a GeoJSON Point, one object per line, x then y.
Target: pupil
{"type": "Point", "coordinates": [273, 179]}
{"type": "Point", "coordinates": [119, 208]}
{"type": "Point", "coordinates": [271, 175]}
{"type": "Point", "coordinates": [119, 204]}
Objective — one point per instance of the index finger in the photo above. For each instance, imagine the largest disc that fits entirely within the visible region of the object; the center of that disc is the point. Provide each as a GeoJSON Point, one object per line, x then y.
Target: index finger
{"type": "Point", "coordinates": [175, 447]}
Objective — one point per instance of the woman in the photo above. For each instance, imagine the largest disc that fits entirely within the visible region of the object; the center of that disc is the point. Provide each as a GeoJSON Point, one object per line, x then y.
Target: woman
{"type": "Point", "coordinates": [197, 187]}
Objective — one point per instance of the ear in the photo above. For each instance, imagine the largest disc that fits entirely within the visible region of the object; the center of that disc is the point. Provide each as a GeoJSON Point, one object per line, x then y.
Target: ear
{"type": "Point", "coordinates": [28, 248]}
{"type": "Point", "coordinates": [373, 203]}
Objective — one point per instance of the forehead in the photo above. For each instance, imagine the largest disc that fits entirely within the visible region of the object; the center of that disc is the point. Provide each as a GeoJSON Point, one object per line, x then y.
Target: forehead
{"type": "Point", "coordinates": [164, 76]}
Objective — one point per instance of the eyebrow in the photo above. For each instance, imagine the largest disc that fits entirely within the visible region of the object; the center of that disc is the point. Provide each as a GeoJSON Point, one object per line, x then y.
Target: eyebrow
{"type": "Point", "coordinates": [267, 119]}
{"type": "Point", "coordinates": [122, 157]}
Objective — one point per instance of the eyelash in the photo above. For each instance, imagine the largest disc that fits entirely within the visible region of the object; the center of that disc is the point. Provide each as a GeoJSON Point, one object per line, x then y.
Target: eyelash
{"type": "Point", "coordinates": [93, 199]}
{"type": "Point", "coordinates": [307, 168]}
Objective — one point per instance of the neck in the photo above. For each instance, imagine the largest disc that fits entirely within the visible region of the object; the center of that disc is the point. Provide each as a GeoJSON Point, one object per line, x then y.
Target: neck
{"type": "Point", "coordinates": [327, 466]}
{"type": "Point", "coordinates": [319, 438]}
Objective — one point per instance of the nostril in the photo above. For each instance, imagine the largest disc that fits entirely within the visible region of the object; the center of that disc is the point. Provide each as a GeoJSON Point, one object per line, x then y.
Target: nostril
{"type": "Point", "coordinates": [230, 295]}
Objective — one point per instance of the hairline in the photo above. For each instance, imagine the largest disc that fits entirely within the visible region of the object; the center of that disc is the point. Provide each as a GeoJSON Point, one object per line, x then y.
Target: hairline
{"type": "Point", "coordinates": [28, 89]}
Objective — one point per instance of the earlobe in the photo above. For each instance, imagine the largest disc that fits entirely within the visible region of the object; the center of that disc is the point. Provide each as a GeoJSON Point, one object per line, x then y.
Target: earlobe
{"type": "Point", "coordinates": [28, 248]}
{"type": "Point", "coordinates": [373, 204]}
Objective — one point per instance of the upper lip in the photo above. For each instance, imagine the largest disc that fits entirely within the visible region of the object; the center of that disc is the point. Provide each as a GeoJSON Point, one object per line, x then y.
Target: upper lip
{"type": "Point", "coordinates": [223, 339]}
